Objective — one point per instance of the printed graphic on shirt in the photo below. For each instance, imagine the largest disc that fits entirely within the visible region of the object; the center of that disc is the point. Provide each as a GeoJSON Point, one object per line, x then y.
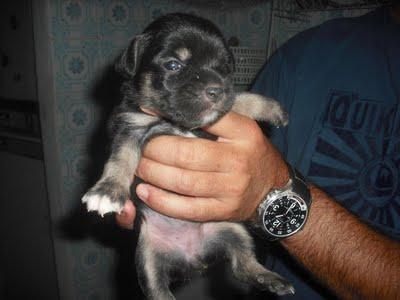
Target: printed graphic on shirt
{"type": "Point", "coordinates": [357, 158]}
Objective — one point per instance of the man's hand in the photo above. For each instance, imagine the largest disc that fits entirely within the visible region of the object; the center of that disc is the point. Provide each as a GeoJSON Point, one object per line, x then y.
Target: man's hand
{"type": "Point", "coordinates": [203, 180]}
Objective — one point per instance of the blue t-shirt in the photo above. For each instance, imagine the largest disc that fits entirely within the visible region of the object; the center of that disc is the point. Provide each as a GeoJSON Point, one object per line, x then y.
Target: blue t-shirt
{"type": "Point", "coordinates": [340, 83]}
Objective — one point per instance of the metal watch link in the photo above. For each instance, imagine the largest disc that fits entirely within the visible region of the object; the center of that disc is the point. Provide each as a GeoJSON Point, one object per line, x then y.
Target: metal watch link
{"type": "Point", "coordinates": [283, 212]}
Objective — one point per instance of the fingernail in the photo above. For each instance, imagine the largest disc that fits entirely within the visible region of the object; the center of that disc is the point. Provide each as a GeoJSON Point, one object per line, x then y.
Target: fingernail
{"type": "Point", "coordinates": [142, 191]}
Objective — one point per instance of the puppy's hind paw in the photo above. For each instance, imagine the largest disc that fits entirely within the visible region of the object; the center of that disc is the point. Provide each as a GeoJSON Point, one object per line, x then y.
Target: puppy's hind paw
{"type": "Point", "coordinates": [281, 287]}
{"type": "Point", "coordinates": [105, 197]}
{"type": "Point", "coordinates": [275, 284]}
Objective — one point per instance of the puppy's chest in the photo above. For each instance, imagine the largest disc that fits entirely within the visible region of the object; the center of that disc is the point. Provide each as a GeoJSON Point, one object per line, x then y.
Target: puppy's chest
{"type": "Point", "coordinates": [185, 239]}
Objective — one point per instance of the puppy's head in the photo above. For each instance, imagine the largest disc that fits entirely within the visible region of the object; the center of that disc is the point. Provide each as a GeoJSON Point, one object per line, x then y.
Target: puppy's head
{"type": "Point", "coordinates": [180, 67]}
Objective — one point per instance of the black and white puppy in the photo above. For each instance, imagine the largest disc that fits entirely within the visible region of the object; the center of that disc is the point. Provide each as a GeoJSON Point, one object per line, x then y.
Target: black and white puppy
{"type": "Point", "coordinates": [180, 68]}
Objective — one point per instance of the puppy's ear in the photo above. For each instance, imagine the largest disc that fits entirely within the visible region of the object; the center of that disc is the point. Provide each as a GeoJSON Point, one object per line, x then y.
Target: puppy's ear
{"type": "Point", "coordinates": [128, 63]}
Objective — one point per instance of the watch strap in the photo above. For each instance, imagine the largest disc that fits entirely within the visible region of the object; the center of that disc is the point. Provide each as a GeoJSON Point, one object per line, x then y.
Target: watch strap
{"type": "Point", "coordinates": [299, 184]}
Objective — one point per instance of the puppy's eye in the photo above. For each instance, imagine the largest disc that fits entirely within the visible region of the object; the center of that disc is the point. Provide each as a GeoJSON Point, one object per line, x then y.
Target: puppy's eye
{"type": "Point", "coordinates": [173, 65]}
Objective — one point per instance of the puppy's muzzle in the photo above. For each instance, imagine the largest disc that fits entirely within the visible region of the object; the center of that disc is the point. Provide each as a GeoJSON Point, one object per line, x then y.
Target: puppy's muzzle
{"type": "Point", "coordinates": [214, 93]}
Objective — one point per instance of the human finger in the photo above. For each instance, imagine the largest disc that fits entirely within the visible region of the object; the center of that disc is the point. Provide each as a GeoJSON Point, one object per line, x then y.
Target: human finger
{"type": "Point", "coordinates": [189, 153]}
{"type": "Point", "coordinates": [182, 207]}
{"type": "Point", "coordinates": [188, 182]}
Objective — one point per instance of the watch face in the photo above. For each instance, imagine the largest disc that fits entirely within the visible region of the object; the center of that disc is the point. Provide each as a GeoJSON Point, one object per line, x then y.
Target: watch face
{"type": "Point", "coordinates": [285, 215]}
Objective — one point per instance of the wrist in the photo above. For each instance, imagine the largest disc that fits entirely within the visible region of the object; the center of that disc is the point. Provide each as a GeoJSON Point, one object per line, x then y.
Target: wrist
{"type": "Point", "coordinates": [282, 175]}
{"type": "Point", "coordinates": [280, 180]}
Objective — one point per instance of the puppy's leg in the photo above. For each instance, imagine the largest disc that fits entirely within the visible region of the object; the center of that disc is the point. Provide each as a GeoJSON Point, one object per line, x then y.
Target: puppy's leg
{"type": "Point", "coordinates": [152, 269]}
{"type": "Point", "coordinates": [112, 190]}
{"type": "Point", "coordinates": [260, 108]}
{"type": "Point", "coordinates": [238, 245]}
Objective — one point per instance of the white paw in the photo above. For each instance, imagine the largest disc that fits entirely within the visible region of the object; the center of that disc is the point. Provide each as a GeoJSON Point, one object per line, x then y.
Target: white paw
{"type": "Point", "coordinates": [101, 203]}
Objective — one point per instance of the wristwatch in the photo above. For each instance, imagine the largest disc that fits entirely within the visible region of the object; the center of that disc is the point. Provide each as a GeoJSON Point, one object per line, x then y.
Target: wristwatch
{"type": "Point", "coordinates": [283, 212]}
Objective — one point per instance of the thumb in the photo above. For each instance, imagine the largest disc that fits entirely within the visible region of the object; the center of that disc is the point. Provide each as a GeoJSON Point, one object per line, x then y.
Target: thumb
{"type": "Point", "coordinates": [126, 218]}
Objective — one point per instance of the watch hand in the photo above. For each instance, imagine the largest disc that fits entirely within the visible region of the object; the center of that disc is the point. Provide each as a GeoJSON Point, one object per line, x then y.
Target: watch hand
{"type": "Point", "coordinates": [290, 208]}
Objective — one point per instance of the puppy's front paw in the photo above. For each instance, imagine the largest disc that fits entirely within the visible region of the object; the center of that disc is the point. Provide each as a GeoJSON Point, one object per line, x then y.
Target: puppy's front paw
{"type": "Point", "coordinates": [278, 116]}
{"type": "Point", "coordinates": [260, 108]}
{"type": "Point", "coordinates": [106, 196]}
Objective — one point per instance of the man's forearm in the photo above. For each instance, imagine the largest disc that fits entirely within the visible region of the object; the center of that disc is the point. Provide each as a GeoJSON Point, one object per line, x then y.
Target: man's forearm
{"type": "Point", "coordinates": [348, 256]}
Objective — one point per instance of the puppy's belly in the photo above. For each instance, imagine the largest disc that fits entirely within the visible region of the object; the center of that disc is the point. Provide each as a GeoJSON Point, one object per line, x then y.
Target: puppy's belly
{"type": "Point", "coordinates": [182, 239]}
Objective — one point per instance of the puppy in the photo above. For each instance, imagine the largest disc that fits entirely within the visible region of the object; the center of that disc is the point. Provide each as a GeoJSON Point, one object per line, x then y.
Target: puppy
{"type": "Point", "coordinates": [180, 68]}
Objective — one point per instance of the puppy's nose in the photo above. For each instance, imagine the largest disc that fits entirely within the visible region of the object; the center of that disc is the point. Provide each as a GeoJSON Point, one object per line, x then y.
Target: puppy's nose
{"type": "Point", "coordinates": [214, 93]}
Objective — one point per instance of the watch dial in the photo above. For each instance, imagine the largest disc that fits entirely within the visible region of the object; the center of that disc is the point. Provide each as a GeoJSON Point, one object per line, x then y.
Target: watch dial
{"type": "Point", "coordinates": [284, 216]}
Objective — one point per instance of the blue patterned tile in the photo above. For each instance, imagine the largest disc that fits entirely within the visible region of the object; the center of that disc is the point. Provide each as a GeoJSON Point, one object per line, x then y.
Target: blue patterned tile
{"type": "Point", "coordinates": [89, 261]}
{"type": "Point", "coordinates": [75, 64]}
{"type": "Point", "coordinates": [79, 117]}
{"type": "Point", "coordinates": [257, 17]}
{"type": "Point", "coordinates": [117, 19]}
{"type": "Point", "coordinates": [76, 121]}
{"type": "Point", "coordinates": [74, 19]}
{"type": "Point", "coordinates": [118, 14]}
{"type": "Point", "coordinates": [91, 270]}
{"type": "Point", "coordinates": [79, 167]}
{"type": "Point", "coordinates": [156, 11]}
